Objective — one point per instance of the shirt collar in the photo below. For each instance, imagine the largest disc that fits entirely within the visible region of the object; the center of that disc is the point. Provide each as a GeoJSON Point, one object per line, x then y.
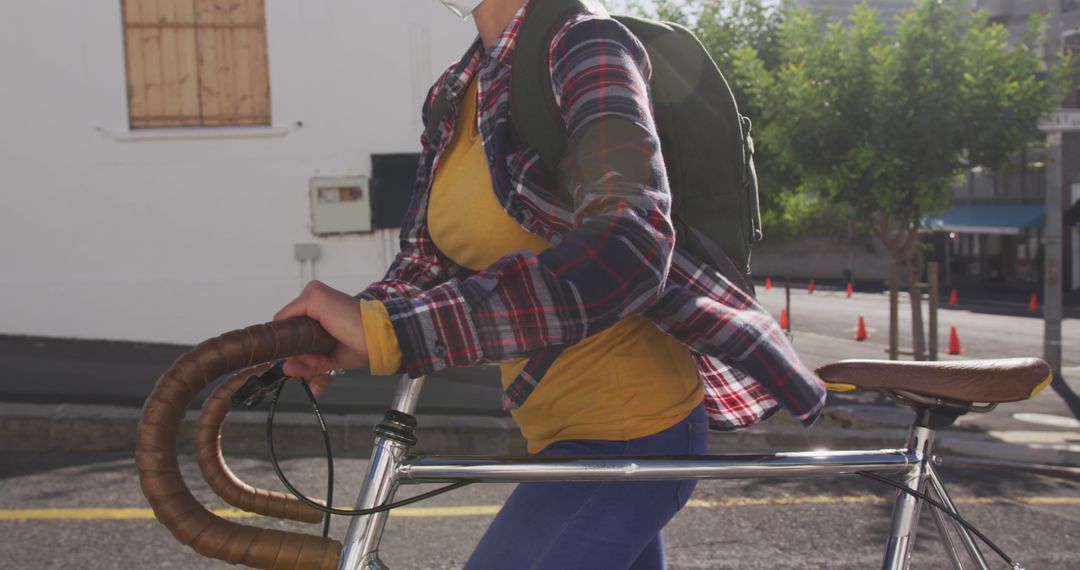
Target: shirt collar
{"type": "Point", "coordinates": [501, 52]}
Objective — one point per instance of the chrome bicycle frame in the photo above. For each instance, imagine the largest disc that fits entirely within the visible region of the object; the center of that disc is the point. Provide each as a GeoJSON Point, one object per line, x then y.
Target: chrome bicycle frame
{"type": "Point", "coordinates": [390, 467]}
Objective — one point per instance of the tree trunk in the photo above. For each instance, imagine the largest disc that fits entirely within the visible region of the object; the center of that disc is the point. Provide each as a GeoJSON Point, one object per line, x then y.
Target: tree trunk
{"type": "Point", "coordinates": [918, 333]}
{"type": "Point", "coordinates": [903, 250]}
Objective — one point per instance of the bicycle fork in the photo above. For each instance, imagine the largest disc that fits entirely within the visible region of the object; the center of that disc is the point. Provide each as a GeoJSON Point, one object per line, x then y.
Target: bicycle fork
{"type": "Point", "coordinates": [393, 438]}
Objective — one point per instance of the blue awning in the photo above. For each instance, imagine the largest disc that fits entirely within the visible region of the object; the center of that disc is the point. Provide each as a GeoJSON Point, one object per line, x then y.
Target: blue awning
{"type": "Point", "coordinates": [987, 219]}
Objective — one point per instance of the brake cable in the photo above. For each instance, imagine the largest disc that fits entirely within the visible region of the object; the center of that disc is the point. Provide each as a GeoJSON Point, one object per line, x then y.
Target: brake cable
{"type": "Point", "coordinates": [279, 384]}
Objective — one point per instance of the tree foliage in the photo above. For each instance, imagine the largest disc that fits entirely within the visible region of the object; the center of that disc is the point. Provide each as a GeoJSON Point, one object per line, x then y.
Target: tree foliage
{"type": "Point", "coordinates": [846, 114]}
{"type": "Point", "coordinates": [725, 28]}
{"type": "Point", "coordinates": [887, 123]}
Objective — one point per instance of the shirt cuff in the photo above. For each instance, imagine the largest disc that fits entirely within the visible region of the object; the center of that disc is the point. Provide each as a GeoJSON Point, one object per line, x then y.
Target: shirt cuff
{"type": "Point", "coordinates": [382, 343]}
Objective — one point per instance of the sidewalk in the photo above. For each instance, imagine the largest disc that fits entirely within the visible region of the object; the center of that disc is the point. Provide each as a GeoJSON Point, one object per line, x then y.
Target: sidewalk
{"type": "Point", "coordinates": [82, 396]}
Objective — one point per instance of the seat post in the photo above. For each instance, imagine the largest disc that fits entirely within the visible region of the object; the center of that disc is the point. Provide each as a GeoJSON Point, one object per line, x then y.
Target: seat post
{"type": "Point", "coordinates": [905, 517]}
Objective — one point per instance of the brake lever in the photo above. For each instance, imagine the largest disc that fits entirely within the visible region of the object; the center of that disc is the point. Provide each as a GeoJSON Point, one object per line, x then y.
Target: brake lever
{"type": "Point", "coordinates": [259, 386]}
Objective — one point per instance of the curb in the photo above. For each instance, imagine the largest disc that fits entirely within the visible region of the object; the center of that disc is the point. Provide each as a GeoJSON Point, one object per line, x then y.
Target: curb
{"type": "Point", "coordinates": [995, 305]}
{"type": "Point", "coordinates": [70, 428]}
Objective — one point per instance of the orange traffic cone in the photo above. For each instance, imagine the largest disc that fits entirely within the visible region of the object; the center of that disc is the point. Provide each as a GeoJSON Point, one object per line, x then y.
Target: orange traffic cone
{"type": "Point", "coordinates": [952, 297]}
{"type": "Point", "coordinates": [861, 333]}
{"type": "Point", "coordinates": [849, 290]}
{"type": "Point", "coordinates": [784, 320]}
{"type": "Point", "coordinates": [811, 289]}
{"type": "Point", "coordinates": [768, 283]}
{"type": "Point", "coordinates": [1033, 305]}
{"type": "Point", "coordinates": [954, 342]}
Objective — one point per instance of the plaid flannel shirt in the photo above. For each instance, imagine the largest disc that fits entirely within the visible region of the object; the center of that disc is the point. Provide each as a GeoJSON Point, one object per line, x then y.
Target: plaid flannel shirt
{"type": "Point", "coordinates": [613, 252]}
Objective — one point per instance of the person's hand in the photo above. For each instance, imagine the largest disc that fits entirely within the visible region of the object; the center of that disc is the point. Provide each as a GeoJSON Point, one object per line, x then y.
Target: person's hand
{"type": "Point", "coordinates": [339, 314]}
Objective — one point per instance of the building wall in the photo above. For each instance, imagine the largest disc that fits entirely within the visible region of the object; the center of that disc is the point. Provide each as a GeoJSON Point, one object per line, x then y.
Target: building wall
{"type": "Point", "coordinates": [888, 9]}
{"type": "Point", "coordinates": [820, 258]}
{"type": "Point", "coordinates": [178, 236]}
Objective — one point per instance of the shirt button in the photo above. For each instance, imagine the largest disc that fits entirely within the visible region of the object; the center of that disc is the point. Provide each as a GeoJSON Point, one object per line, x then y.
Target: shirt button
{"type": "Point", "coordinates": [440, 349]}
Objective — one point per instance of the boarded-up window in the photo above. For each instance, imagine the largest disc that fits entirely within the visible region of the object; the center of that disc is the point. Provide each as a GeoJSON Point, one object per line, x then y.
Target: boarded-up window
{"type": "Point", "coordinates": [196, 63]}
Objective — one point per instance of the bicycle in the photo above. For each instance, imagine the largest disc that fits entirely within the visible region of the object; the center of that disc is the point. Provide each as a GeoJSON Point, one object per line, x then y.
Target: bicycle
{"type": "Point", "coordinates": [939, 392]}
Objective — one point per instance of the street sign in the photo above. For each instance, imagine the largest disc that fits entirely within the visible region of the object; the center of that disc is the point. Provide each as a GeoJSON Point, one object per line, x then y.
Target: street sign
{"type": "Point", "coordinates": [1060, 121]}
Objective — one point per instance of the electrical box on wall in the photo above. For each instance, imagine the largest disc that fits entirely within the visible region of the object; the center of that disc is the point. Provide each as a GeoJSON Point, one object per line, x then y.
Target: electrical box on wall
{"type": "Point", "coordinates": [340, 205]}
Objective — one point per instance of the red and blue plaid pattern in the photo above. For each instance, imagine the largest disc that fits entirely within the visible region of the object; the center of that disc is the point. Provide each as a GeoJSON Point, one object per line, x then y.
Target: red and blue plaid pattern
{"type": "Point", "coordinates": [614, 246]}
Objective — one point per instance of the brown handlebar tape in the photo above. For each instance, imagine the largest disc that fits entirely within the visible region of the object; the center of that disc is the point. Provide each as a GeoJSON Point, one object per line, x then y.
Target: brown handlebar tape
{"type": "Point", "coordinates": [218, 475]}
{"type": "Point", "coordinates": [155, 450]}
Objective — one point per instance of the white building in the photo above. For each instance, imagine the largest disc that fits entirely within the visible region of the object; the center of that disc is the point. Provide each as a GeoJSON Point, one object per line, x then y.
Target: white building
{"type": "Point", "coordinates": [176, 233]}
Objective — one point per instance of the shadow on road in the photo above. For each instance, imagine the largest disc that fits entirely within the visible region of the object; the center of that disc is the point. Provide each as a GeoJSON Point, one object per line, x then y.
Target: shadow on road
{"type": "Point", "coordinates": [1061, 388]}
{"type": "Point", "coordinates": [14, 465]}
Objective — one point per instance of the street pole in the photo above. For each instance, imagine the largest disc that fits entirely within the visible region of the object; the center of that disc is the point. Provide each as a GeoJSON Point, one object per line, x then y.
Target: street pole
{"type": "Point", "coordinates": [787, 303]}
{"type": "Point", "coordinates": [1052, 234]}
{"type": "Point", "coordinates": [894, 317]}
{"type": "Point", "coordinates": [850, 277]}
{"type": "Point", "coordinates": [1053, 230]}
{"type": "Point", "coordinates": [948, 259]}
{"type": "Point", "coordinates": [932, 277]}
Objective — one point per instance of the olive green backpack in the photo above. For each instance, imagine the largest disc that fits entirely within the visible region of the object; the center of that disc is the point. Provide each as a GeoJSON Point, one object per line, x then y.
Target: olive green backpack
{"type": "Point", "coordinates": [706, 144]}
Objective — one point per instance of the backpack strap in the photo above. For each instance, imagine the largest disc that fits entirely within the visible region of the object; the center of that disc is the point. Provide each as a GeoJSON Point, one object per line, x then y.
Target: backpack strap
{"type": "Point", "coordinates": [535, 115]}
{"type": "Point", "coordinates": [750, 180]}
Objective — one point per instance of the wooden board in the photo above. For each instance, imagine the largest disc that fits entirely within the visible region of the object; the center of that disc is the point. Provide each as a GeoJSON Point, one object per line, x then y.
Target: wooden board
{"type": "Point", "coordinates": [196, 62]}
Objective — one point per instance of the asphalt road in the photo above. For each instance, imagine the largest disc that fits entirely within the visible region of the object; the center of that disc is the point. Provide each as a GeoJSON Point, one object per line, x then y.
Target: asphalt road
{"type": "Point", "coordinates": [983, 333]}
{"type": "Point", "coordinates": [839, 524]}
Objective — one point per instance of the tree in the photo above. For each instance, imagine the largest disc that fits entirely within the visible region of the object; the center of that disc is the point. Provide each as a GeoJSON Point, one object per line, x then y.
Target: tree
{"type": "Point", "coordinates": [886, 124]}
{"type": "Point", "coordinates": [725, 27]}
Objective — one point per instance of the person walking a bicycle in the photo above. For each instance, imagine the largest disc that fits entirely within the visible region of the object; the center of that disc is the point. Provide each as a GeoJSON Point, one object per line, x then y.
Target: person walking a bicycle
{"type": "Point", "coordinates": [610, 340]}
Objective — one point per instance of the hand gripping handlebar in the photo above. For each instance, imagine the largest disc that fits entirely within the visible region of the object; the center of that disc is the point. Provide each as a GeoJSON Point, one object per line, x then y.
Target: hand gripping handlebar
{"type": "Point", "coordinates": [159, 472]}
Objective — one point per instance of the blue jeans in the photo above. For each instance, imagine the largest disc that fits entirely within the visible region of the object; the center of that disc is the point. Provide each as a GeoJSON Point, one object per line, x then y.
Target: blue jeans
{"type": "Point", "coordinates": [593, 525]}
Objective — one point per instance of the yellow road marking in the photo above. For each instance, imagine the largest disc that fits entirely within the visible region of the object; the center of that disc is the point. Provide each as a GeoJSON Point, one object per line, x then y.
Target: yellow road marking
{"type": "Point", "coordinates": [803, 500]}
{"type": "Point", "coordinates": [486, 510]}
{"type": "Point", "coordinates": [465, 511]}
{"type": "Point", "coordinates": [1050, 501]}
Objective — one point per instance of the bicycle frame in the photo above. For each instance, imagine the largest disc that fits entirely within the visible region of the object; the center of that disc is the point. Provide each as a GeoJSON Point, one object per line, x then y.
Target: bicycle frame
{"type": "Point", "coordinates": [390, 467]}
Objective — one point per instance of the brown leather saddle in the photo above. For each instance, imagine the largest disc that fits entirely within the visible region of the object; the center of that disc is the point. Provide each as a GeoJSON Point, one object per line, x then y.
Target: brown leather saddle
{"type": "Point", "coordinates": [963, 381]}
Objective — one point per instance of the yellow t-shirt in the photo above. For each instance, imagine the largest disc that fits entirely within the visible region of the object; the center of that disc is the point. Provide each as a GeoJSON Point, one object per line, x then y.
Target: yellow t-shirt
{"type": "Point", "coordinates": [626, 382]}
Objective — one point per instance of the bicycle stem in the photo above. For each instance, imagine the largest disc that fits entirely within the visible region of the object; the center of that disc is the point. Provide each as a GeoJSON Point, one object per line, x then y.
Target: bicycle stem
{"type": "Point", "coordinates": [392, 442]}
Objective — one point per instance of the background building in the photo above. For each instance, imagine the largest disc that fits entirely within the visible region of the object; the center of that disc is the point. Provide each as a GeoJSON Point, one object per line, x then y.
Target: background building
{"type": "Point", "coordinates": [888, 9]}
{"type": "Point", "coordinates": [992, 233]}
{"type": "Point", "coordinates": [158, 158]}
{"type": "Point", "coordinates": [993, 230]}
